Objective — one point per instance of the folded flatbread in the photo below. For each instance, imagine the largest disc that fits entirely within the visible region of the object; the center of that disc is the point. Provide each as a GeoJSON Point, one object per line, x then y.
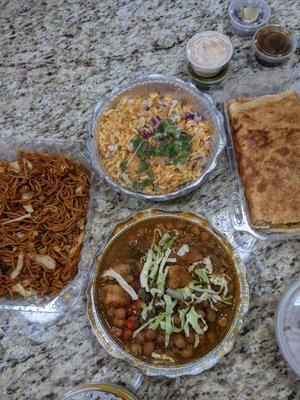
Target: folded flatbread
{"type": "Point", "coordinates": [266, 136]}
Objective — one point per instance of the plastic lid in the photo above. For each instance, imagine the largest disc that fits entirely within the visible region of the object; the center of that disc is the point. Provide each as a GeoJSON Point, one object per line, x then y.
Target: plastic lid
{"type": "Point", "coordinates": [287, 326]}
{"type": "Point", "coordinates": [209, 49]}
{"type": "Point", "coordinates": [98, 391]}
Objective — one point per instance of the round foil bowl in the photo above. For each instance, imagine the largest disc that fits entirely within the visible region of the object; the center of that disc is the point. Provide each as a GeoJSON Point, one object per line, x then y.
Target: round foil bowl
{"type": "Point", "coordinates": [180, 90]}
{"type": "Point", "coordinates": [94, 391]}
{"type": "Point", "coordinates": [97, 321]}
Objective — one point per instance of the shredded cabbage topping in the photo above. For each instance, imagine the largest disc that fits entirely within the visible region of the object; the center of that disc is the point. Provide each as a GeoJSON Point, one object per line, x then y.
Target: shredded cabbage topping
{"type": "Point", "coordinates": [159, 301]}
{"type": "Point", "coordinates": [110, 273]}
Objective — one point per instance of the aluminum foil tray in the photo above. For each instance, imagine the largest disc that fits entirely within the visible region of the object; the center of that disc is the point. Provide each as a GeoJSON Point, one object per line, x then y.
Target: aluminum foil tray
{"type": "Point", "coordinates": [68, 295]}
{"type": "Point", "coordinates": [244, 86]}
{"type": "Point", "coordinates": [180, 90]}
{"type": "Point", "coordinates": [113, 348]}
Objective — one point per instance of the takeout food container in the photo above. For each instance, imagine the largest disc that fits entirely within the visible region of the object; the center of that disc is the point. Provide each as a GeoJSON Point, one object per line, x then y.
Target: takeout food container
{"type": "Point", "coordinates": [181, 90]}
{"type": "Point", "coordinates": [247, 86]}
{"type": "Point", "coordinates": [287, 325]}
{"type": "Point", "coordinates": [248, 28]}
{"type": "Point", "coordinates": [210, 69]}
{"type": "Point", "coordinates": [76, 150]}
{"type": "Point", "coordinates": [113, 348]}
{"type": "Point", "coordinates": [107, 391]}
{"type": "Point", "coordinates": [268, 59]}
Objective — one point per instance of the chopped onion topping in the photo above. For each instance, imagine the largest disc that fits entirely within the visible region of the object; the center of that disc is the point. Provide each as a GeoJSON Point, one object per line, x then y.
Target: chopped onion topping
{"type": "Point", "coordinates": [183, 250]}
{"type": "Point", "coordinates": [79, 191]}
{"type": "Point", "coordinates": [23, 292]}
{"type": "Point", "coordinates": [29, 164]}
{"type": "Point", "coordinates": [28, 208]}
{"type": "Point", "coordinates": [121, 281]}
{"type": "Point", "coordinates": [17, 219]}
{"type": "Point", "coordinates": [18, 268]}
{"type": "Point", "coordinates": [112, 148]}
{"type": "Point", "coordinates": [45, 260]}
{"type": "Point", "coordinates": [14, 166]}
{"type": "Point", "coordinates": [77, 245]}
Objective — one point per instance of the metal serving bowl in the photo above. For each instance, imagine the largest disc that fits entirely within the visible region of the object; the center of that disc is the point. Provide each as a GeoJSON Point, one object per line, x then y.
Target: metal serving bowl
{"type": "Point", "coordinates": [100, 328]}
{"type": "Point", "coordinates": [180, 90]}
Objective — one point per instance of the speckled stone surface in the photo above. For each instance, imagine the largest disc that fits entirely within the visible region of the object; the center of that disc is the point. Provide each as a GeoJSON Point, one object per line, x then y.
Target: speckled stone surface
{"type": "Point", "coordinates": [57, 58]}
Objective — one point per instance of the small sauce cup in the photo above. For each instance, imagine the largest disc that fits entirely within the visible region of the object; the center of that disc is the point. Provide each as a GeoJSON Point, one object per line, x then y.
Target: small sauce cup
{"type": "Point", "coordinates": [209, 52]}
{"type": "Point", "coordinates": [273, 45]}
{"type": "Point", "coordinates": [247, 28]}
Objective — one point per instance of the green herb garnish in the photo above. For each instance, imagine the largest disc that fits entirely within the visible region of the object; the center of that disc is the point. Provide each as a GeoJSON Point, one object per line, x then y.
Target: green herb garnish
{"type": "Point", "coordinates": [140, 185]}
{"type": "Point", "coordinates": [143, 167]}
{"type": "Point", "coordinates": [123, 165]}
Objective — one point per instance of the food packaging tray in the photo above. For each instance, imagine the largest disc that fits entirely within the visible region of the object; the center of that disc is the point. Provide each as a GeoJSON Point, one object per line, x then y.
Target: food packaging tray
{"type": "Point", "coordinates": [244, 86]}
{"type": "Point", "coordinates": [76, 150]}
{"type": "Point", "coordinates": [180, 90]}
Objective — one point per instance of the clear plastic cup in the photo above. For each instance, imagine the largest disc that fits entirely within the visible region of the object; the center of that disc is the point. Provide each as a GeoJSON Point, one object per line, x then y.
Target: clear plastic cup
{"type": "Point", "coordinates": [287, 326]}
{"type": "Point", "coordinates": [266, 58]}
{"type": "Point", "coordinates": [198, 49]}
{"type": "Point", "coordinates": [248, 28]}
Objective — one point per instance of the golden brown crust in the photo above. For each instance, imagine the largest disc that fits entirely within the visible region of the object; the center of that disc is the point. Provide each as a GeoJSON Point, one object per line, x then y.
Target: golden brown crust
{"type": "Point", "coordinates": [266, 135]}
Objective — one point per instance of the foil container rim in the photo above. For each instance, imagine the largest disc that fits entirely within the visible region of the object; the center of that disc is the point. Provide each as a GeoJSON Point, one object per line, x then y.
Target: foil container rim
{"type": "Point", "coordinates": [216, 116]}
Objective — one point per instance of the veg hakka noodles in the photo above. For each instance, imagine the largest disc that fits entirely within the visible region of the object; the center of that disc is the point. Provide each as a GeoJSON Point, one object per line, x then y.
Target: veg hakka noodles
{"type": "Point", "coordinates": [172, 295]}
{"type": "Point", "coordinates": [43, 205]}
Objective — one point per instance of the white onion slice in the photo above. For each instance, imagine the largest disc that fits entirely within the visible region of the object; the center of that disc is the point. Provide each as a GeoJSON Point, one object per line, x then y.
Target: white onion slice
{"type": "Point", "coordinates": [23, 292]}
{"type": "Point", "coordinates": [121, 281]}
{"type": "Point", "coordinates": [18, 268]}
{"type": "Point", "coordinates": [45, 260]}
{"type": "Point", "coordinates": [183, 249]}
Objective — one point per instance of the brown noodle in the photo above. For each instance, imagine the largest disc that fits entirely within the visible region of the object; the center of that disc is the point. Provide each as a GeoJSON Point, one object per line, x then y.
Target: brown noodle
{"type": "Point", "coordinates": [43, 205]}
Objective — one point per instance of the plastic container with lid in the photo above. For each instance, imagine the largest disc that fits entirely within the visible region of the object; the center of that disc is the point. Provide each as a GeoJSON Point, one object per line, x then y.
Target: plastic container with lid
{"type": "Point", "coordinates": [287, 326]}
{"type": "Point", "coordinates": [273, 45]}
{"type": "Point", "coordinates": [248, 27]}
{"type": "Point", "coordinates": [209, 52]}
{"type": "Point", "coordinates": [96, 391]}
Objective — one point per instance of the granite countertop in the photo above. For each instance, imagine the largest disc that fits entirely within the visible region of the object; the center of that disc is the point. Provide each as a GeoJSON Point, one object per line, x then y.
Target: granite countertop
{"type": "Point", "coordinates": [59, 57]}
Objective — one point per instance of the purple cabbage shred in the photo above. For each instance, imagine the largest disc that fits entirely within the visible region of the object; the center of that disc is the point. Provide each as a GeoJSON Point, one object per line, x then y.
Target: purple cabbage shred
{"type": "Point", "coordinates": [193, 116]}
{"type": "Point", "coordinates": [155, 121]}
{"type": "Point", "coordinates": [146, 134]}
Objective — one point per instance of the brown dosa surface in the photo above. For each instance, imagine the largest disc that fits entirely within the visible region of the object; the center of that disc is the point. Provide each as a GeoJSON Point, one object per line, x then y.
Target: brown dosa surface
{"type": "Point", "coordinates": [266, 135]}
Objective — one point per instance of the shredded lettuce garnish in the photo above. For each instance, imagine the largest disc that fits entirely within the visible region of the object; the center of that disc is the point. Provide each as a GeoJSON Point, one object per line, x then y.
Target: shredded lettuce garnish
{"type": "Point", "coordinates": [192, 318]}
{"type": "Point", "coordinates": [156, 323]}
{"type": "Point", "coordinates": [145, 271]}
{"type": "Point", "coordinates": [197, 340]}
{"type": "Point", "coordinates": [219, 280]}
{"type": "Point", "coordinates": [168, 319]}
{"type": "Point", "coordinates": [121, 281]}
{"type": "Point", "coordinates": [208, 265]}
{"type": "Point", "coordinates": [137, 331]}
{"type": "Point", "coordinates": [202, 276]}
{"type": "Point", "coordinates": [166, 241]}
{"type": "Point", "coordinates": [205, 286]}
{"type": "Point", "coordinates": [162, 273]}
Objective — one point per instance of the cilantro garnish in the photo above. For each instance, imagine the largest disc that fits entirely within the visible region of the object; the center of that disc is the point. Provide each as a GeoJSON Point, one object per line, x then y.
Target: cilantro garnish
{"type": "Point", "coordinates": [170, 142]}
{"type": "Point", "coordinates": [123, 165]}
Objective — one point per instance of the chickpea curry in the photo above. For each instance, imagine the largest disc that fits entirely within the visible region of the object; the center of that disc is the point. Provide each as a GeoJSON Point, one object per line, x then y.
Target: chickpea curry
{"type": "Point", "coordinates": [168, 290]}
